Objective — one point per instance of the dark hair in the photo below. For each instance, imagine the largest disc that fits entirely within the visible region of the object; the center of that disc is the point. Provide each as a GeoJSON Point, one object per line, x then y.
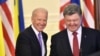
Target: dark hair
{"type": "Point", "coordinates": [72, 9]}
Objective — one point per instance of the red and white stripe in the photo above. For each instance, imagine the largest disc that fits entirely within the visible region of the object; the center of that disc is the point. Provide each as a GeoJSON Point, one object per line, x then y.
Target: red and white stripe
{"type": "Point", "coordinates": [8, 33]}
{"type": "Point", "coordinates": [62, 6]}
{"type": "Point", "coordinates": [88, 13]}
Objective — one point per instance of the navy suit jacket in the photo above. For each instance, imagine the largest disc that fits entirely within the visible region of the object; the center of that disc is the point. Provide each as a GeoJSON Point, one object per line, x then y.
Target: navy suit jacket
{"type": "Point", "coordinates": [28, 45]}
{"type": "Point", "coordinates": [90, 43]}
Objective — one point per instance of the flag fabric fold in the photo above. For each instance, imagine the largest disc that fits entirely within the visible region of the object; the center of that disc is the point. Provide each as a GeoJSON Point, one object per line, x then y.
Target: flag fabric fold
{"type": "Point", "coordinates": [10, 26]}
{"type": "Point", "coordinates": [18, 17]}
{"type": "Point", "coordinates": [7, 27]}
{"type": "Point", "coordinates": [21, 17]}
{"type": "Point", "coordinates": [2, 49]}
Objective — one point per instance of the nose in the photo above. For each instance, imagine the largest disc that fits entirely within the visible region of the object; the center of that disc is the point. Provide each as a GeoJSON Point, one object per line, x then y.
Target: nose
{"type": "Point", "coordinates": [43, 22]}
{"type": "Point", "coordinates": [72, 22]}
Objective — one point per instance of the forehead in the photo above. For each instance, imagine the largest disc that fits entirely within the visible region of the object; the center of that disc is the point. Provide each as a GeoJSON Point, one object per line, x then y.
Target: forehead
{"type": "Point", "coordinates": [39, 10]}
{"type": "Point", "coordinates": [73, 16]}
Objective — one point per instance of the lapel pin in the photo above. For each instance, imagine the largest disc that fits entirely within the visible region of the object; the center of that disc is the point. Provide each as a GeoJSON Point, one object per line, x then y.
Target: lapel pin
{"type": "Point", "coordinates": [85, 36]}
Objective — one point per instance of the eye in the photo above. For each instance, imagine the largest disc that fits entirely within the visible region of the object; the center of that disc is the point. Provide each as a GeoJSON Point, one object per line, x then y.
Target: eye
{"type": "Point", "coordinates": [39, 19]}
{"type": "Point", "coordinates": [45, 20]}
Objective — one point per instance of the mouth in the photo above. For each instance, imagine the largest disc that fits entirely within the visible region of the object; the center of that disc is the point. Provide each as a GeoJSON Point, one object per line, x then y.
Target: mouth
{"type": "Point", "coordinates": [41, 26]}
{"type": "Point", "coordinates": [72, 26]}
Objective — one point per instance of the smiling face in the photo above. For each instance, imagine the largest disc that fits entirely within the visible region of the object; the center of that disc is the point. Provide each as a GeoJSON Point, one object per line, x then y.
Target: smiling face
{"type": "Point", "coordinates": [39, 19]}
{"type": "Point", "coordinates": [73, 22]}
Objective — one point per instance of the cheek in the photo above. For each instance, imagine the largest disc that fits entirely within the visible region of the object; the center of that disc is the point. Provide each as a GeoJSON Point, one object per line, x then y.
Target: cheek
{"type": "Point", "coordinates": [67, 23]}
{"type": "Point", "coordinates": [79, 22]}
{"type": "Point", "coordinates": [45, 22]}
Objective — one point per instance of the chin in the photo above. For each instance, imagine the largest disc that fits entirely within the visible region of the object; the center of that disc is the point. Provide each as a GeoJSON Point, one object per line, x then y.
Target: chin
{"type": "Point", "coordinates": [72, 30]}
{"type": "Point", "coordinates": [41, 30]}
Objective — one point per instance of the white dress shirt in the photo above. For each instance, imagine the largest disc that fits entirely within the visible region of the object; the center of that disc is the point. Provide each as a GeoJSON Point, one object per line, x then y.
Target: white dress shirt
{"type": "Point", "coordinates": [70, 37]}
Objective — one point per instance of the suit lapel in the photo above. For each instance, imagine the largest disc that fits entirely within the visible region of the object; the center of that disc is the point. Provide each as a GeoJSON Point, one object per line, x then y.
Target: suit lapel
{"type": "Point", "coordinates": [44, 40]}
{"type": "Point", "coordinates": [83, 41]}
{"type": "Point", "coordinates": [65, 44]}
{"type": "Point", "coordinates": [33, 35]}
{"type": "Point", "coordinates": [44, 37]}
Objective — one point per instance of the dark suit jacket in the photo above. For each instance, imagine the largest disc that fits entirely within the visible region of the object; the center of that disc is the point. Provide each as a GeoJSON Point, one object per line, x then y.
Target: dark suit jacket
{"type": "Point", "coordinates": [27, 43]}
{"type": "Point", "coordinates": [95, 54]}
{"type": "Point", "coordinates": [90, 43]}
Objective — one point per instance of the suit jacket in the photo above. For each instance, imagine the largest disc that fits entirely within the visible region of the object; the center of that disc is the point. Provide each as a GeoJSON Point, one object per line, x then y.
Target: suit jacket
{"type": "Point", "coordinates": [27, 43]}
{"type": "Point", "coordinates": [90, 43]}
{"type": "Point", "coordinates": [95, 54]}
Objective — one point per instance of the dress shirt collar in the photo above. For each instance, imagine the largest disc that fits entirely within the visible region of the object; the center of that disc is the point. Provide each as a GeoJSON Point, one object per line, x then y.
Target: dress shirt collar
{"type": "Point", "coordinates": [34, 29]}
{"type": "Point", "coordinates": [78, 31]}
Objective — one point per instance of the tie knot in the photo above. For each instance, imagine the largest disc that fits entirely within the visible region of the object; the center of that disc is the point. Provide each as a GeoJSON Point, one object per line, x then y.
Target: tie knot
{"type": "Point", "coordinates": [74, 33]}
{"type": "Point", "coordinates": [39, 34]}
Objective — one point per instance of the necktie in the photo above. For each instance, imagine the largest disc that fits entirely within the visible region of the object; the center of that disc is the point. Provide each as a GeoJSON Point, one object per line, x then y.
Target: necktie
{"type": "Point", "coordinates": [41, 44]}
{"type": "Point", "coordinates": [75, 45]}
{"type": "Point", "coordinates": [40, 39]}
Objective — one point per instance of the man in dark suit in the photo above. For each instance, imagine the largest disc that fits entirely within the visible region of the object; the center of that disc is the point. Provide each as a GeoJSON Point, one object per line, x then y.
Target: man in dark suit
{"type": "Point", "coordinates": [75, 40]}
{"type": "Point", "coordinates": [28, 42]}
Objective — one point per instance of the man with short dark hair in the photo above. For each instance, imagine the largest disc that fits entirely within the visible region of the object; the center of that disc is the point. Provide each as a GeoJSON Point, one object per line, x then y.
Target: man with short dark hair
{"type": "Point", "coordinates": [75, 40]}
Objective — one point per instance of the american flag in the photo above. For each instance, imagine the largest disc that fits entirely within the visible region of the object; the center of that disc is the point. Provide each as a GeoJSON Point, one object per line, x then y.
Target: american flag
{"type": "Point", "coordinates": [87, 9]}
{"type": "Point", "coordinates": [7, 26]}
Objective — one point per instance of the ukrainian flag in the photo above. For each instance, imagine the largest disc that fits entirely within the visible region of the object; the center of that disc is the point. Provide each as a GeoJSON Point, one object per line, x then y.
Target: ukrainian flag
{"type": "Point", "coordinates": [18, 17]}
{"type": "Point", "coordinates": [2, 49]}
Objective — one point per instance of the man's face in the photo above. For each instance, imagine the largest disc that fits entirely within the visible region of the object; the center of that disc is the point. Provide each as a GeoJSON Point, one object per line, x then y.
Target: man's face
{"type": "Point", "coordinates": [73, 21]}
{"type": "Point", "coordinates": [39, 21]}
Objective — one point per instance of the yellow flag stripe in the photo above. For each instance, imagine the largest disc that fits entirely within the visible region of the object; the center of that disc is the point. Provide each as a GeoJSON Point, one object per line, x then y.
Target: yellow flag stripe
{"type": "Point", "coordinates": [2, 48]}
{"type": "Point", "coordinates": [16, 21]}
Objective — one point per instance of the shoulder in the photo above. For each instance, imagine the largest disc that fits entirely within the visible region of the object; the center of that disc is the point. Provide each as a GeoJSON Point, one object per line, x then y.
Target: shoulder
{"type": "Point", "coordinates": [25, 33]}
{"type": "Point", "coordinates": [45, 34]}
{"type": "Point", "coordinates": [24, 37]}
{"type": "Point", "coordinates": [61, 33]}
{"type": "Point", "coordinates": [90, 31]}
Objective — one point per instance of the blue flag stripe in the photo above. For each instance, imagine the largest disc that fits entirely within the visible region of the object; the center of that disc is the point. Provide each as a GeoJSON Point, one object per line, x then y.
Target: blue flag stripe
{"type": "Point", "coordinates": [76, 1]}
{"type": "Point", "coordinates": [21, 17]}
{"type": "Point", "coordinates": [2, 1]}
